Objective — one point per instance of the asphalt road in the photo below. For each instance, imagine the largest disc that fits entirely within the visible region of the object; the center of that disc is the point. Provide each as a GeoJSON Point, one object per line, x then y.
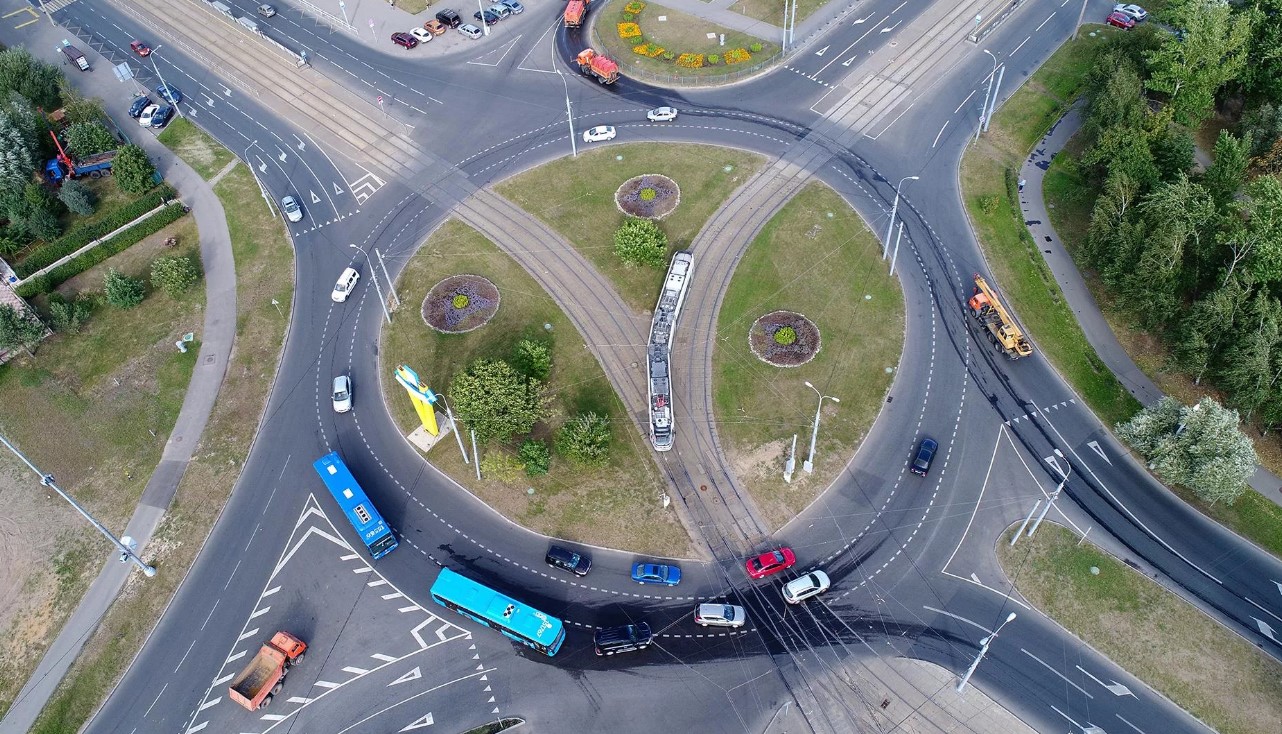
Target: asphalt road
{"type": "Point", "coordinates": [890, 540]}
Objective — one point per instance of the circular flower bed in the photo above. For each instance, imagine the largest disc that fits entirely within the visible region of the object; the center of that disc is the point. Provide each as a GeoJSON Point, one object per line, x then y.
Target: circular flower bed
{"type": "Point", "coordinates": [648, 196]}
{"type": "Point", "coordinates": [784, 339]}
{"type": "Point", "coordinates": [460, 303]}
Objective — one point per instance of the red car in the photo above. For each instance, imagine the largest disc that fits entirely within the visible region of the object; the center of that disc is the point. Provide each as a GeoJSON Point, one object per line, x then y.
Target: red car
{"type": "Point", "coordinates": [140, 48]}
{"type": "Point", "coordinates": [771, 562]}
{"type": "Point", "coordinates": [404, 39]}
{"type": "Point", "coordinates": [1121, 20]}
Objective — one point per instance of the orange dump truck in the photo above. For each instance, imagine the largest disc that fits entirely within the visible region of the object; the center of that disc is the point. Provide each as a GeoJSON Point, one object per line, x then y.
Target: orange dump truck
{"type": "Point", "coordinates": [264, 676]}
{"type": "Point", "coordinates": [594, 64]}
{"type": "Point", "coordinates": [574, 12]}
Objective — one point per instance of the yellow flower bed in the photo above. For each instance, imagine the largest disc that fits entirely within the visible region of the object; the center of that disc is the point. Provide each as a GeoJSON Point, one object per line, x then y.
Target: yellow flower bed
{"type": "Point", "coordinates": [634, 7]}
{"type": "Point", "coordinates": [737, 56]}
{"type": "Point", "coordinates": [647, 49]}
{"type": "Point", "coordinates": [629, 30]}
{"type": "Point", "coordinates": [690, 61]}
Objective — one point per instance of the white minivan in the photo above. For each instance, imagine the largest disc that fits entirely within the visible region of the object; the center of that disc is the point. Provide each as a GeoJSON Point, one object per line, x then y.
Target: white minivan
{"type": "Point", "coordinates": [345, 285]}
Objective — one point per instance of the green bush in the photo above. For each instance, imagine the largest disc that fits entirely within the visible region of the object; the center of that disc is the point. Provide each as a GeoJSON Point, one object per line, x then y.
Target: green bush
{"type": "Point", "coordinates": [84, 234]}
{"type": "Point", "coordinates": [669, 56]}
{"type": "Point", "coordinates": [69, 316]}
{"type": "Point", "coordinates": [640, 242]}
{"type": "Point", "coordinates": [785, 335]}
{"type": "Point", "coordinates": [133, 170]}
{"type": "Point", "coordinates": [533, 359]}
{"type": "Point", "coordinates": [173, 275]}
{"type": "Point", "coordinates": [460, 301]}
{"type": "Point", "coordinates": [648, 194]}
{"type": "Point", "coordinates": [536, 456]}
{"type": "Point", "coordinates": [713, 59]}
{"type": "Point", "coordinates": [585, 439]}
{"type": "Point", "coordinates": [755, 47]}
{"type": "Point", "coordinates": [627, 17]}
{"type": "Point", "coordinates": [123, 291]}
{"type": "Point", "coordinates": [989, 204]}
{"type": "Point", "coordinates": [113, 246]}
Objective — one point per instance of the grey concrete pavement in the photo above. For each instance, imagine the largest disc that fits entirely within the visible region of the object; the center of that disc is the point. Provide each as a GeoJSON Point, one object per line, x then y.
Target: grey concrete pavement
{"type": "Point", "coordinates": [1101, 337]}
{"type": "Point", "coordinates": [216, 341]}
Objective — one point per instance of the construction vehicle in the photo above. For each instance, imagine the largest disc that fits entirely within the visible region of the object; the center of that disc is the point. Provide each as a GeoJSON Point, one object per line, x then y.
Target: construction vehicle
{"type": "Point", "coordinates": [594, 64]}
{"type": "Point", "coordinates": [264, 676]}
{"type": "Point", "coordinates": [988, 310]}
{"type": "Point", "coordinates": [574, 12]}
{"type": "Point", "coordinates": [94, 166]}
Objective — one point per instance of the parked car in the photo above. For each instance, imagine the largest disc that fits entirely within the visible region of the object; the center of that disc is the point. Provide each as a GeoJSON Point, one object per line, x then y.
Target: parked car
{"type": "Point", "coordinates": [170, 93]}
{"type": "Point", "coordinates": [435, 27]}
{"type": "Point", "coordinates": [404, 39]}
{"type": "Point", "coordinates": [470, 31]}
{"type": "Point", "coordinates": [925, 454]}
{"type": "Point", "coordinates": [501, 10]}
{"type": "Point", "coordinates": [1136, 13]}
{"type": "Point", "coordinates": [720, 615]}
{"type": "Point", "coordinates": [656, 573]}
{"type": "Point", "coordinates": [661, 114]}
{"type": "Point", "coordinates": [155, 115]}
{"type": "Point", "coordinates": [805, 587]}
{"type": "Point", "coordinates": [624, 638]}
{"type": "Point", "coordinates": [422, 35]}
{"type": "Point", "coordinates": [771, 562]}
{"type": "Point", "coordinates": [514, 5]}
{"type": "Point", "coordinates": [449, 17]}
{"type": "Point", "coordinates": [487, 17]}
{"type": "Point", "coordinates": [568, 560]}
{"type": "Point", "coordinates": [140, 48]}
{"type": "Point", "coordinates": [140, 103]}
{"type": "Point", "coordinates": [345, 285]}
{"type": "Point", "coordinates": [1121, 20]}
{"type": "Point", "coordinates": [293, 212]}
{"type": "Point", "coordinates": [341, 394]}
{"type": "Point", "coordinates": [266, 10]}
{"type": "Point", "coordinates": [598, 134]}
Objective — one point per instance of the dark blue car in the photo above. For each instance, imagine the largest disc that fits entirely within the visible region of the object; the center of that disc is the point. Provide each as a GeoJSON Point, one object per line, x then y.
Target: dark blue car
{"type": "Point", "coordinates": [169, 93]}
{"type": "Point", "coordinates": [656, 573]}
{"type": "Point", "coordinates": [140, 104]}
{"type": "Point", "coordinates": [925, 454]}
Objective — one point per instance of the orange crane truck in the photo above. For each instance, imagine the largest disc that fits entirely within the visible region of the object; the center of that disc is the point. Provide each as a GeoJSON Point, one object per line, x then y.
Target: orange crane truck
{"type": "Point", "coordinates": [1002, 330]}
{"type": "Point", "coordinates": [264, 676]}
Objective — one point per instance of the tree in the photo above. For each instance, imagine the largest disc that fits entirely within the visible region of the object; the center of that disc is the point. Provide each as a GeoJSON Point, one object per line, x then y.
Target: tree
{"type": "Point", "coordinates": [77, 197]}
{"type": "Point", "coordinates": [1172, 148]}
{"type": "Point", "coordinates": [533, 359]}
{"type": "Point", "coordinates": [1262, 78]}
{"type": "Point", "coordinates": [1257, 242]}
{"type": "Point", "coordinates": [1114, 96]}
{"type": "Point", "coordinates": [1199, 447]}
{"type": "Point", "coordinates": [496, 401]}
{"type": "Point", "coordinates": [1110, 219]}
{"type": "Point", "coordinates": [29, 121]}
{"type": "Point", "coordinates": [1226, 174]}
{"type": "Point", "coordinates": [585, 439]}
{"type": "Point", "coordinates": [1251, 353]}
{"type": "Point", "coordinates": [1125, 150]}
{"type": "Point", "coordinates": [86, 138]}
{"type": "Point", "coordinates": [133, 170]}
{"type": "Point", "coordinates": [640, 242]}
{"type": "Point", "coordinates": [536, 457]}
{"type": "Point", "coordinates": [77, 108]}
{"type": "Point", "coordinates": [1211, 53]}
{"type": "Point", "coordinates": [70, 315]}
{"type": "Point", "coordinates": [1262, 126]}
{"type": "Point", "coordinates": [1209, 324]}
{"type": "Point", "coordinates": [17, 159]}
{"type": "Point", "coordinates": [44, 224]}
{"type": "Point", "coordinates": [19, 328]}
{"type": "Point", "coordinates": [34, 79]}
{"type": "Point", "coordinates": [123, 291]}
{"type": "Point", "coordinates": [173, 275]}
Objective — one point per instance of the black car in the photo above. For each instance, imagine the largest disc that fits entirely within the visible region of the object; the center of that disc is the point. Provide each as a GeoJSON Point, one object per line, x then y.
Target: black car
{"type": "Point", "coordinates": [449, 17]}
{"type": "Point", "coordinates": [925, 452]}
{"type": "Point", "coordinates": [568, 560]}
{"type": "Point", "coordinates": [624, 638]}
{"type": "Point", "coordinates": [140, 104]}
{"type": "Point", "coordinates": [487, 17]}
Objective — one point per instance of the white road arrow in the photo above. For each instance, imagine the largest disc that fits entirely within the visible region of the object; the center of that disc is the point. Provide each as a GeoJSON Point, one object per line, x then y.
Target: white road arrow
{"type": "Point", "coordinates": [893, 27]}
{"type": "Point", "coordinates": [821, 51]}
{"type": "Point", "coordinates": [414, 674]}
{"type": "Point", "coordinates": [226, 90]}
{"type": "Point", "coordinates": [1117, 689]}
{"type": "Point", "coordinates": [1265, 629]}
{"type": "Point", "coordinates": [861, 20]}
{"type": "Point", "coordinates": [420, 723]}
{"type": "Point", "coordinates": [847, 61]}
{"type": "Point", "coordinates": [1279, 585]}
{"type": "Point", "coordinates": [1054, 462]}
{"type": "Point", "coordinates": [301, 144]}
{"type": "Point", "coordinates": [283, 156]}
{"type": "Point", "coordinates": [315, 198]}
{"type": "Point", "coordinates": [1095, 447]}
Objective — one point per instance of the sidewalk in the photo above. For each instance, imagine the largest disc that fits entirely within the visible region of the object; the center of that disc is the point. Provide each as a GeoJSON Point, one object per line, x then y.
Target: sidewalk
{"type": "Point", "coordinates": [1079, 298]}
{"type": "Point", "coordinates": [217, 339]}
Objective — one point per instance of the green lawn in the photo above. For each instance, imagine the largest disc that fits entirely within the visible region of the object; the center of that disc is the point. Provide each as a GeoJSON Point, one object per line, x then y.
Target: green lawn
{"type": "Point", "coordinates": [575, 196]}
{"type": "Point", "coordinates": [815, 257]}
{"type": "Point", "coordinates": [264, 271]}
{"type": "Point", "coordinates": [616, 506]}
{"type": "Point", "coordinates": [771, 11]}
{"type": "Point", "coordinates": [1201, 666]}
{"type": "Point", "coordinates": [199, 150]}
{"type": "Point", "coordinates": [678, 34]}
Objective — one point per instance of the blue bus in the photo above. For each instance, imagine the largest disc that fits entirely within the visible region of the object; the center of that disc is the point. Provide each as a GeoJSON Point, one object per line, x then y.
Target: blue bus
{"type": "Point", "coordinates": [522, 623]}
{"type": "Point", "coordinates": [375, 534]}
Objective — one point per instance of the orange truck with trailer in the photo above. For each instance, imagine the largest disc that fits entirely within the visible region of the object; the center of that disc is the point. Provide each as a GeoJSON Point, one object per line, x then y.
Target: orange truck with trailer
{"type": "Point", "coordinates": [264, 676]}
{"type": "Point", "coordinates": [574, 12]}
{"type": "Point", "coordinates": [594, 64]}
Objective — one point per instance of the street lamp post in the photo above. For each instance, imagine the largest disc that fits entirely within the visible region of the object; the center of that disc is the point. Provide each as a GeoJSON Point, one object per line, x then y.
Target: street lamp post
{"type": "Point", "coordinates": [1054, 495]}
{"type": "Point", "coordinates": [809, 465]}
{"type": "Point", "coordinates": [894, 210]}
{"type": "Point", "coordinates": [126, 549]}
{"type": "Point", "coordinates": [155, 68]}
{"type": "Point", "coordinates": [453, 427]}
{"type": "Point", "coordinates": [569, 114]}
{"type": "Point", "coordinates": [374, 276]}
{"type": "Point", "coordinates": [983, 650]}
{"type": "Point", "coordinates": [983, 109]}
{"type": "Point", "coordinates": [261, 189]}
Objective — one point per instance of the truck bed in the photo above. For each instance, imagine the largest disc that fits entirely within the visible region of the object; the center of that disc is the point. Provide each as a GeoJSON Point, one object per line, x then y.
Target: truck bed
{"type": "Point", "coordinates": [96, 159]}
{"type": "Point", "coordinates": [262, 672]}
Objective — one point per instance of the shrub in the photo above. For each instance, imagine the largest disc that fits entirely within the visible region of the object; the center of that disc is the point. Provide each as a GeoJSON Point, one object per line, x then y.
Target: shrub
{"type": "Point", "coordinates": [756, 47]}
{"type": "Point", "coordinates": [134, 171]}
{"type": "Point", "coordinates": [44, 224]}
{"type": "Point", "coordinates": [647, 194]}
{"type": "Point", "coordinates": [76, 197]}
{"type": "Point", "coordinates": [713, 59]}
{"type": "Point", "coordinates": [640, 242]}
{"type": "Point", "coordinates": [585, 439]}
{"type": "Point", "coordinates": [69, 316]}
{"type": "Point", "coordinates": [10, 247]}
{"type": "Point", "coordinates": [785, 335]}
{"type": "Point", "coordinates": [173, 275]}
{"type": "Point", "coordinates": [533, 359]}
{"type": "Point", "coordinates": [501, 466]}
{"type": "Point", "coordinates": [460, 301]}
{"type": "Point", "coordinates": [669, 56]}
{"type": "Point", "coordinates": [123, 291]}
{"type": "Point", "coordinates": [629, 30]}
{"type": "Point", "coordinates": [536, 457]}
{"type": "Point", "coordinates": [83, 235]}
{"type": "Point", "coordinates": [634, 7]}
{"type": "Point", "coordinates": [628, 16]}
{"type": "Point", "coordinates": [989, 204]}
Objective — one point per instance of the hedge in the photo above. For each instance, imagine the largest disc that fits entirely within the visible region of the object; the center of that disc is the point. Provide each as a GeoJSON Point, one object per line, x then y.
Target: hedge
{"type": "Point", "coordinates": [113, 246]}
{"type": "Point", "coordinates": [80, 236]}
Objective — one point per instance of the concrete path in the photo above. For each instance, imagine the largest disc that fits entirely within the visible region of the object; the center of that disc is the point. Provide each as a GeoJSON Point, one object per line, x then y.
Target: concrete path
{"type": "Point", "coordinates": [216, 339]}
{"type": "Point", "coordinates": [1079, 298]}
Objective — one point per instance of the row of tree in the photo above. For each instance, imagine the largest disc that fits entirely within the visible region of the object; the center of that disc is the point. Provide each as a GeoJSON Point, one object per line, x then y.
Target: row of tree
{"type": "Point", "coordinates": [1195, 257]}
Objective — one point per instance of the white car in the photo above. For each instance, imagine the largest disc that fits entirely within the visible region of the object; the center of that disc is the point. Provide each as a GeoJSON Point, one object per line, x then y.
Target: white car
{"type": "Point", "coordinates": [1135, 12]}
{"type": "Point", "coordinates": [148, 113]}
{"type": "Point", "coordinates": [471, 31]}
{"type": "Point", "coordinates": [342, 394]}
{"type": "Point", "coordinates": [345, 285]}
{"type": "Point", "coordinates": [293, 212]}
{"type": "Point", "coordinates": [801, 589]}
{"type": "Point", "coordinates": [720, 615]}
{"type": "Point", "coordinates": [598, 134]}
{"type": "Point", "coordinates": [422, 34]}
{"type": "Point", "coordinates": [662, 114]}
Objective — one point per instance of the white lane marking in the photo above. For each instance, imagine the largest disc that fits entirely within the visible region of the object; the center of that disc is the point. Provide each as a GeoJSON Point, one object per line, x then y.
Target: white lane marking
{"type": "Point", "coordinates": [1044, 22]}
{"type": "Point", "coordinates": [210, 702]}
{"type": "Point", "coordinates": [941, 132]}
{"type": "Point", "coordinates": [260, 612]}
{"type": "Point", "coordinates": [250, 633]}
{"type": "Point", "coordinates": [236, 657]}
{"type": "Point", "coordinates": [1056, 672]}
{"type": "Point", "coordinates": [1117, 689]}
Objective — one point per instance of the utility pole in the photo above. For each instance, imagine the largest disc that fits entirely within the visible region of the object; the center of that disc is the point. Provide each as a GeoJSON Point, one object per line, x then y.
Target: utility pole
{"type": "Point", "coordinates": [983, 650]}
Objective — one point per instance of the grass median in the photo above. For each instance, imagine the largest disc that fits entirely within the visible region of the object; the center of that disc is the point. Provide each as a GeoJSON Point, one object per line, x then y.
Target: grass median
{"type": "Point", "coordinates": [264, 272]}
{"type": "Point", "coordinates": [678, 44]}
{"type": "Point", "coordinates": [815, 257]}
{"type": "Point", "coordinates": [196, 148]}
{"type": "Point", "coordinates": [1183, 654]}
